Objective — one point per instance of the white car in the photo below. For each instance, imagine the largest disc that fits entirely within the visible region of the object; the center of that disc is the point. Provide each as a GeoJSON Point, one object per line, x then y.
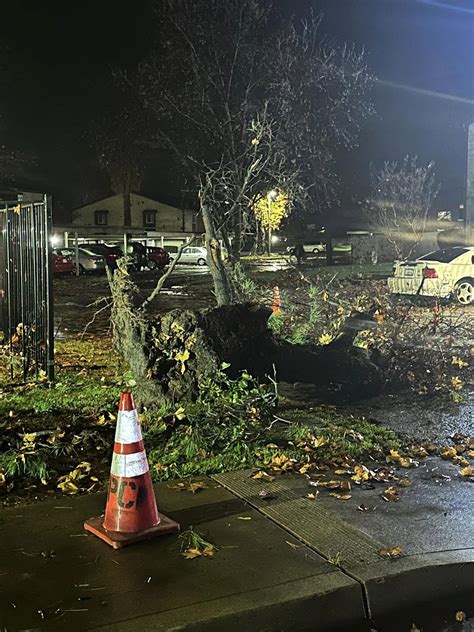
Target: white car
{"type": "Point", "coordinates": [444, 273]}
{"type": "Point", "coordinates": [190, 255]}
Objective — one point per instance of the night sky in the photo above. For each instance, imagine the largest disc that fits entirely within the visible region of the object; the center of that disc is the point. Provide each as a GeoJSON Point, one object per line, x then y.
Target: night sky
{"type": "Point", "coordinates": [422, 52]}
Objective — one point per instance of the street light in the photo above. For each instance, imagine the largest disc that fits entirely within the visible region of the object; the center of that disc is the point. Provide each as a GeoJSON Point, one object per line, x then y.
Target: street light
{"type": "Point", "coordinates": [271, 195]}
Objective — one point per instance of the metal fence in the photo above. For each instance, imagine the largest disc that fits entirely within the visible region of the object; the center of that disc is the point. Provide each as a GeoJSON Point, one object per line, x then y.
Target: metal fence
{"type": "Point", "coordinates": [26, 299]}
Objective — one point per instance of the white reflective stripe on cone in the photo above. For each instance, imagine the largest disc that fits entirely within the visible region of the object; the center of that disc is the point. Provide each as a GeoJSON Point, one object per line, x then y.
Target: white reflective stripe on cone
{"type": "Point", "coordinates": [128, 427]}
{"type": "Point", "coordinates": [129, 465]}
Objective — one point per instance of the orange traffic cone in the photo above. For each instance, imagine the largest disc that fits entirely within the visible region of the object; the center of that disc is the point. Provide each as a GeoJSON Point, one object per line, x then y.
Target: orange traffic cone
{"type": "Point", "coordinates": [276, 303]}
{"type": "Point", "coordinates": [130, 513]}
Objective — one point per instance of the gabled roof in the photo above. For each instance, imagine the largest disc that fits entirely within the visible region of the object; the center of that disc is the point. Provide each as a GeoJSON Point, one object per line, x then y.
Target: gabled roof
{"type": "Point", "coordinates": [118, 195]}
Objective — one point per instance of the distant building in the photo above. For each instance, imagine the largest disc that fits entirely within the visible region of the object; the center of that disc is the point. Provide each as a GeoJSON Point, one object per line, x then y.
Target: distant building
{"type": "Point", "coordinates": [151, 221]}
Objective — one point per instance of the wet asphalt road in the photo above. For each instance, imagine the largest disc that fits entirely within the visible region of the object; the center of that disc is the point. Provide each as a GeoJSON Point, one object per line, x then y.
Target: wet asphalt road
{"type": "Point", "coordinates": [76, 298]}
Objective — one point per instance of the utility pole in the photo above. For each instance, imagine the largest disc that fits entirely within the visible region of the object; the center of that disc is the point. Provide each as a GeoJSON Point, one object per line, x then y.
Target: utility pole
{"type": "Point", "coordinates": [469, 209]}
{"type": "Point", "coordinates": [271, 195]}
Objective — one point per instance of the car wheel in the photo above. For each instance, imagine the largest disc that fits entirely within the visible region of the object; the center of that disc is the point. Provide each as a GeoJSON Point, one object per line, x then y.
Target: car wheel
{"type": "Point", "coordinates": [151, 265]}
{"type": "Point", "coordinates": [82, 270]}
{"type": "Point", "coordinates": [201, 262]}
{"type": "Point", "coordinates": [464, 291]}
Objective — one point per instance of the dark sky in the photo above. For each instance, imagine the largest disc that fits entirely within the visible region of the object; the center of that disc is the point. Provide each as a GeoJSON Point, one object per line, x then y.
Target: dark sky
{"type": "Point", "coordinates": [422, 52]}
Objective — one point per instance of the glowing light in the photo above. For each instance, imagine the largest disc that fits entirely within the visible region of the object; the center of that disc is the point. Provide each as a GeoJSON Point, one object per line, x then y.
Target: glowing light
{"type": "Point", "coordinates": [54, 239]}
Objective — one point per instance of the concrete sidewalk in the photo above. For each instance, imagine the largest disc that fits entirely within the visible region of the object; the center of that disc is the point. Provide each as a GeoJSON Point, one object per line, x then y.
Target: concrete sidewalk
{"type": "Point", "coordinates": [284, 562]}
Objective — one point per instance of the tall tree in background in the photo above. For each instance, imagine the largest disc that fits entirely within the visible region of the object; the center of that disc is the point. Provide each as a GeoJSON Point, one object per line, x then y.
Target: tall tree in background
{"type": "Point", "coordinates": [248, 101]}
{"type": "Point", "coordinates": [118, 141]}
{"type": "Point", "coordinates": [402, 196]}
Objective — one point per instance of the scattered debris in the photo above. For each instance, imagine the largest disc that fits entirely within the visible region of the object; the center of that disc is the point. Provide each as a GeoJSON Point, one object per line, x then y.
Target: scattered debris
{"type": "Point", "coordinates": [390, 552]}
{"type": "Point", "coordinates": [193, 545]}
{"type": "Point", "coordinates": [189, 486]}
{"type": "Point", "coordinates": [292, 544]}
{"type": "Point", "coordinates": [261, 475]}
{"type": "Point", "coordinates": [391, 494]}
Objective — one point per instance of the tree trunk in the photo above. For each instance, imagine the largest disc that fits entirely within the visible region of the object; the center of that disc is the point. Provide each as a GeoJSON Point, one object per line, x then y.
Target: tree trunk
{"type": "Point", "coordinates": [130, 332]}
{"type": "Point", "coordinates": [127, 208]}
{"type": "Point", "coordinates": [220, 278]}
{"type": "Point", "coordinates": [329, 250]}
{"type": "Point", "coordinates": [237, 241]}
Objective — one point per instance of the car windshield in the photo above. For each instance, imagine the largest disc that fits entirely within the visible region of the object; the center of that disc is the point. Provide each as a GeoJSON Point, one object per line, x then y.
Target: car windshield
{"type": "Point", "coordinates": [444, 256]}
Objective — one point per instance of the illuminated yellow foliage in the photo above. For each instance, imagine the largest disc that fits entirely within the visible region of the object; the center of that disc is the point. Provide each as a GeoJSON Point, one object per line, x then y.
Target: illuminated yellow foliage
{"type": "Point", "coordinates": [270, 210]}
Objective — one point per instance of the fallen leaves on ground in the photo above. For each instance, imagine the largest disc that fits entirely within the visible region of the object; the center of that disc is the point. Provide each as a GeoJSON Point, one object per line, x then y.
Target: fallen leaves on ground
{"type": "Point", "coordinates": [189, 486]}
{"type": "Point", "coordinates": [340, 496]}
{"type": "Point", "coordinates": [391, 494]}
{"type": "Point", "coordinates": [467, 471]}
{"type": "Point", "coordinates": [448, 453]}
{"type": "Point", "coordinates": [312, 496]}
{"type": "Point", "coordinates": [343, 485]}
{"type": "Point", "coordinates": [261, 475]}
{"type": "Point", "coordinates": [390, 552]}
{"type": "Point", "coordinates": [460, 616]}
{"type": "Point", "coordinates": [191, 554]}
{"type": "Point", "coordinates": [402, 461]}
{"type": "Point", "coordinates": [193, 545]}
{"type": "Point", "coordinates": [457, 361]}
{"type": "Point", "coordinates": [103, 421]}
{"type": "Point", "coordinates": [68, 482]}
{"type": "Point", "coordinates": [244, 518]}
{"type": "Point", "coordinates": [404, 482]}
{"type": "Point", "coordinates": [418, 451]}
{"type": "Point", "coordinates": [281, 463]}
{"type": "Point", "coordinates": [361, 473]}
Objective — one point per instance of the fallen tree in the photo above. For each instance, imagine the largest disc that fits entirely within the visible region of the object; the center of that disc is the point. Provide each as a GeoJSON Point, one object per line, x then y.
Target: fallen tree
{"type": "Point", "coordinates": [171, 356]}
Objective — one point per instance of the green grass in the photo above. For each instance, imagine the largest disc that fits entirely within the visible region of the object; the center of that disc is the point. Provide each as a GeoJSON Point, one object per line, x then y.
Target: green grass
{"type": "Point", "coordinates": [199, 447]}
{"type": "Point", "coordinates": [229, 428]}
{"type": "Point", "coordinates": [73, 394]}
{"type": "Point", "coordinates": [346, 436]}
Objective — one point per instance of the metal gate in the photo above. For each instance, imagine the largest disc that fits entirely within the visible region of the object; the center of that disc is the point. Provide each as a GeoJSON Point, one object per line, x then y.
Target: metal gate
{"type": "Point", "coordinates": [26, 314]}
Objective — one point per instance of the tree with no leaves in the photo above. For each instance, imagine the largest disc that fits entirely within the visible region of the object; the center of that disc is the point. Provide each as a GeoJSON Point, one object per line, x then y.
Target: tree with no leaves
{"type": "Point", "coordinates": [118, 142]}
{"type": "Point", "coordinates": [248, 101]}
{"type": "Point", "coordinates": [402, 196]}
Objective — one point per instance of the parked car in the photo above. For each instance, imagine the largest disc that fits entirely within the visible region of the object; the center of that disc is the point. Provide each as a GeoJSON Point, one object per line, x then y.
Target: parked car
{"type": "Point", "coordinates": [88, 261]}
{"type": "Point", "coordinates": [62, 264]}
{"type": "Point", "coordinates": [157, 258]}
{"type": "Point", "coordinates": [446, 273]}
{"type": "Point", "coordinates": [317, 247]}
{"type": "Point", "coordinates": [190, 255]}
{"type": "Point", "coordinates": [314, 248]}
{"type": "Point", "coordinates": [110, 253]}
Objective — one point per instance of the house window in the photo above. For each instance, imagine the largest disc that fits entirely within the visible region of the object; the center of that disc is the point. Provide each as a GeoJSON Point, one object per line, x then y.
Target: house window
{"type": "Point", "coordinates": [149, 218]}
{"type": "Point", "coordinates": [100, 218]}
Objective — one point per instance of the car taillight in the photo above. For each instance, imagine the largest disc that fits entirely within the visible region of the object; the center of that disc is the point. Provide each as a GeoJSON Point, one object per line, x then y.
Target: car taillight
{"type": "Point", "coordinates": [430, 273]}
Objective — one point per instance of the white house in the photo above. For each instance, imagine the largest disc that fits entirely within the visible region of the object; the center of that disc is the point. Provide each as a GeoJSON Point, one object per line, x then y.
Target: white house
{"type": "Point", "coordinates": [151, 221]}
